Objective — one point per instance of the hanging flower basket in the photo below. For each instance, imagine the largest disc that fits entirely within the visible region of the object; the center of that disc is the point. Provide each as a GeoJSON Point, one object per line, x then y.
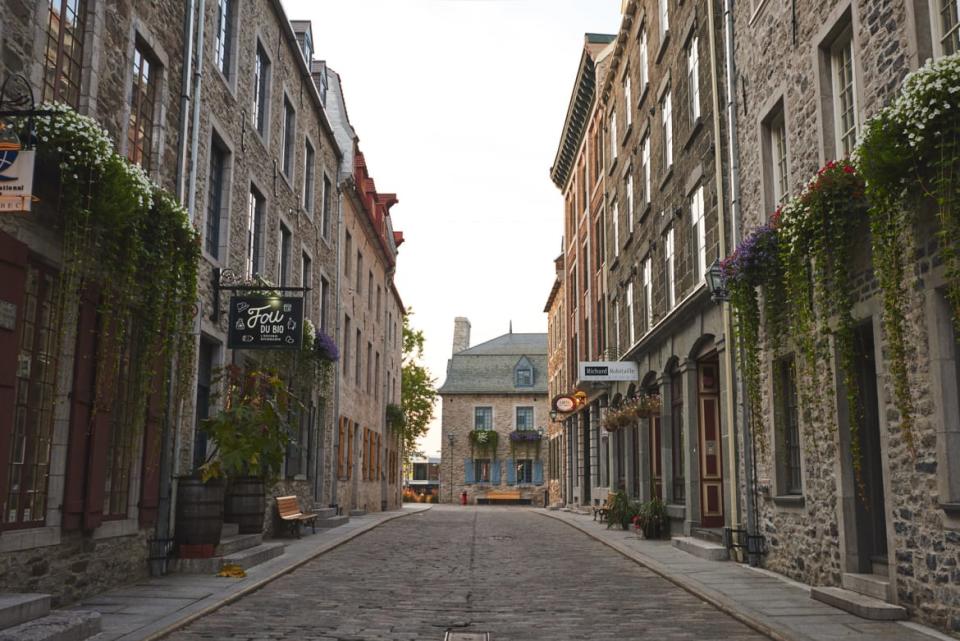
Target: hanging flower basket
{"type": "Point", "coordinates": [484, 441]}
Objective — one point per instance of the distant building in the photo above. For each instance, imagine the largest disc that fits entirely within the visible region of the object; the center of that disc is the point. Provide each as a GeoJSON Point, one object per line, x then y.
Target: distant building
{"type": "Point", "coordinates": [557, 383]}
{"type": "Point", "coordinates": [422, 476]}
{"type": "Point", "coordinates": [494, 413]}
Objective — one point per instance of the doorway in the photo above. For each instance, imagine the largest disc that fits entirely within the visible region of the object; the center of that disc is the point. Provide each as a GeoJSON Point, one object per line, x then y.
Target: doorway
{"type": "Point", "coordinates": [587, 476]}
{"type": "Point", "coordinates": [711, 461]}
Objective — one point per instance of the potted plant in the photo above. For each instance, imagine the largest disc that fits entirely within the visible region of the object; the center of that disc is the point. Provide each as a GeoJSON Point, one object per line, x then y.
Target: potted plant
{"type": "Point", "coordinates": [250, 434]}
{"type": "Point", "coordinates": [651, 519]}
{"type": "Point", "coordinates": [620, 510]}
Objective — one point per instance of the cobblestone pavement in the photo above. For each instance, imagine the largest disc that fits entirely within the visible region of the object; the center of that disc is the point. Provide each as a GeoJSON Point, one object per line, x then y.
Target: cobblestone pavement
{"type": "Point", "coordinates": [507, 571]}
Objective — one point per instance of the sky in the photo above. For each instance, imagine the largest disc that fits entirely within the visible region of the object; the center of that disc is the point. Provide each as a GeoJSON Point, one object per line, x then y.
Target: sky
{"type": "Point", "coordinates": [459, 106]}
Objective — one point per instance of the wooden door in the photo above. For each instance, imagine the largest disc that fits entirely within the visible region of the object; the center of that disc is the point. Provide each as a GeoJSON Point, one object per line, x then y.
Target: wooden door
{"type": "Point", "coordinates": [656, 461]}
{"type": "Point", "coordinates": [711, 461]}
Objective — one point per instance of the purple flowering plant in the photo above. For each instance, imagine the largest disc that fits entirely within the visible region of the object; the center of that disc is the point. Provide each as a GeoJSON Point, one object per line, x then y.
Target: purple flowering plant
{"type": "Point", "coordinates": [525, 435]}
{"type": "Point", "coordinates": [755, 256]}
{"type": "Point", "coordinates": [325, 347]}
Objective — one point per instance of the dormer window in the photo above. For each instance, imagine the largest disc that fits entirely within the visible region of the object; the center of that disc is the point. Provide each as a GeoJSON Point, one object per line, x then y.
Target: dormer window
{"type": "Point", "coordinates": [523, 373]}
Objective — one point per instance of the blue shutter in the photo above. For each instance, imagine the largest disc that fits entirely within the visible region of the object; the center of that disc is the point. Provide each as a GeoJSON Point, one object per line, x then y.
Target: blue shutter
{"type": "Point", "coordinates": [468, 471]}
{"type": "Point", "coordinates": [511, 472]}
{"type": "Point", "coordinates": [495, 472]}
{"type": "Point", "coordinates": [538, 472]}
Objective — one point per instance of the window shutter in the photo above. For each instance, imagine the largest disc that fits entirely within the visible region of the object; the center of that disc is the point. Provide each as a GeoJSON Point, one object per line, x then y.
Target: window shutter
{"type": "Point", "coordinates": [511, 472]}
{"type": "Point", "coordinates": [538, 472]}
{"type": "Point", "coordinates": [468, 471]}
{"type": "Point", "coordinates": [495, 472]}
{"type": "Point", "coordinates": [13, 262]}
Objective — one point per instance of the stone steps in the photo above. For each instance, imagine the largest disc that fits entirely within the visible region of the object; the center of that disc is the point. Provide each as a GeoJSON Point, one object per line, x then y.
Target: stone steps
{"type": "Point", "coordinates": [870, 585]}
{"type": "Point", "coordinates": [333, 521]}
{"type": "Point", "coordinates": [20, 608]}
{"type": "Point", "coordinates": [245, 558]}
{"type": "Point", "coordinates": [231, 544]}
{"type": "Point", "coordinates": [710, 535]}
{"type": "Point", "coordinates": [61, 625]}
{"type": "Point", "coordinates": [700, 548]}
{"type": "Point", "coordinates": [325, 512]}
{"type": "Point", "coordinates": [357, 512]}
{"type": "Point", "coordinates": [859, 604]}
{"type": "Point", "coordinates": [229, 529]}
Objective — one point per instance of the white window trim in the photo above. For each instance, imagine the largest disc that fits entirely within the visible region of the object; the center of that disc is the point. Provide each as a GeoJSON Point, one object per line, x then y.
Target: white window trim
{"type": "Point", "coordinates": [697, 217]}
{"type": "Point", "coordinates": [937, 26]}
{"type": "Point", "coordinates": [666, 120]}
{"type": "Point", "coordinates": [843, 42]}
{"type": "Point", "coordinates": [664, 21]}
{"type": "Point", "coordinates": [648, 291]}
{"type": "Point", "coordinates": [693, 74]}
{"type": "Point", "coordinates": [644, 60]}
{"type": "Point", "coordinates": [616, 229]}
{"type": "Point", "coordinates": [645, 161]}
{"type": "Point", "coordinates": [668, 255]}
{"type": "Point", "coordinates": [778, 152]}
{"type": "Point", "coordinates": [630, 314]}
{"type": "Point", "coordinates": [630, 221]}
{"type": "Point", "coordinates": [628, 97]}
{"type": "Point", "coordinates": [613, 135]}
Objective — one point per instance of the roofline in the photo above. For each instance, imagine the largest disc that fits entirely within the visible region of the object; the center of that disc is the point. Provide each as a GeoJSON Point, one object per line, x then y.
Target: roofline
{"type": "Point", "coordinates": [573, 127]}
{"type": "Point", "coordinates": [553, 295]}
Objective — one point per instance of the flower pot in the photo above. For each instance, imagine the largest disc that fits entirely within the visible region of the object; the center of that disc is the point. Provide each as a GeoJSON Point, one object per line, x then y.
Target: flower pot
{"type": "Point", "coordinates": [199, 514]}
{"type": "Point", "coordinates": [246, 504]}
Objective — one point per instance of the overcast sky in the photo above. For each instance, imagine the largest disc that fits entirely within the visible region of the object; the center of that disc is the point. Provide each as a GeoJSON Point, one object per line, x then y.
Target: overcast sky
{"type": "Point", "coordinates": [459, 106]}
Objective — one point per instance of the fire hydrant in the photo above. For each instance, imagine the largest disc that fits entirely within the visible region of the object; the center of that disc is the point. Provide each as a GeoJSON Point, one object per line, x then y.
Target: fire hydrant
{"type": "Point", "coordinates": [463, 498]}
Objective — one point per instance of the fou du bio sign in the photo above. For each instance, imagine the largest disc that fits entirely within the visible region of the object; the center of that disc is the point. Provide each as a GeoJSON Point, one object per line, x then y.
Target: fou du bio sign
{"type": "Point", "coordinates": [265, 322]}
{"type": "Point", "coordinates": [609, 371]}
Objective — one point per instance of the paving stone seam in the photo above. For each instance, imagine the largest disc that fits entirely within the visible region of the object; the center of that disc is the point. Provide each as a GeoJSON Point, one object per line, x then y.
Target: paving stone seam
{"type": "Point", "coordinates": [221, 601]}
{"type": "Point", "coordinates": [727, 606]}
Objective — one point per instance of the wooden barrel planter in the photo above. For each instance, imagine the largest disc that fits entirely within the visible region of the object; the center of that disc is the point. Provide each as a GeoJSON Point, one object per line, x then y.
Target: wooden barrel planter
{"type": "Point", "coordinates": [246, 504]}
{"type": "Point", "coordinates": [199, 516]}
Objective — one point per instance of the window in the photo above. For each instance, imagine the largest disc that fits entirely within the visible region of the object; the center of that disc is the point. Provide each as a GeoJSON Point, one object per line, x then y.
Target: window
{"type": "Point", "coordinates": [949, 31]}
{"type": "Point", "coordinates": [283, 268]}
{"type": "Point", "coordinates": [306, 281]}
{"type": "Point", "coordinates": [347, 251]}
{"type": "Point", "coordinates": [698, 235]}
{"type": "Point", "coordinates": [613, 136]}
{"type": "Point", "coordinates": [369, 290]}
{"type": "Point", "coordinates": [629, 182]}
{"type": "Point", "coordinates": [324, 303]}
{"type": "Point", "coordinates": [666, 124]}
{"type": "Point", "coordinates": [631, 321]}
{"type": "Point", "coordinates": [379, 300]}
{"type": "Point", "coordinates": [309, 162]}
{"type": "Point", "coordinates": [644, 62]}
{"type": "Point", "coordinates": [524, 471]}
{"type": "Point", "coordinates": [206, 362]}
{"type": "Point", "coordinates": [616, 229]}
{"type": "Point", "coordinates": [63, 59]}
{"type": "Point", "coordinates": [255, 209]}
{"type": "Point", "coordinates": [616, 328]}
{"type": "Point", "coordinates": [483, 418]}
{"type": "Point", "coordinates": [645, 167]}
{"type": "Point", "coordinates": [648, 291]}
{"type": "Point", "coordinates": [289, 131]}
{"type": "Point", "coordinates": [844, 94]}
{"type": "Point", "coordinates": [369, 367]}
{"type": "Point", "coordinates": [359, 282]}
{"type": "Point", "coordinates": [628, 97]}
{"type": "Point", "coordinates": [664, 25]}
{"type": "Point", "coordinates": [327, 196]}
{"type": "Point", "coordinates": [788, 427]}
{"type": "Point", "coordinates": [376, 376]}
{"type": "Point", "coordinates": [524, 418]}
{"type": "Point", "coordinates": [693, 79]}
{"type": "Point", "coordinates": [668, 268]}
{"type": "Point", "coordinates": [346, 346]}
{"type": "Point", "coordinates": [261, 81]}
{"type": "Point", "coordinates": [223, 49]}
{"type": "Point", "coordinates": [524, 377]}
{"type": "Point", "coordinates": [359, 362]}
{"type": "Point", "coordinates": [215, 192]}
{"type": "Point", "coordinates": [481, 470]}
{"type": "Point", "coordinates": [778, 136]}
{"type": "Point", "coordinates": [143, 96]}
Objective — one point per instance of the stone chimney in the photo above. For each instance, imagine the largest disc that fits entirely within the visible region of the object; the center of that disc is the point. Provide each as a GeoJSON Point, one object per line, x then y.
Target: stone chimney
{"type": "Point", "coordinates": [461, 334]}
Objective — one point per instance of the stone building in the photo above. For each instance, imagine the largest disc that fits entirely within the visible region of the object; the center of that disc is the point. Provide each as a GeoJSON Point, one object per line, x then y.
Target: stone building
{"type": "Point", "coordinates": [578, 171]}
{"type": "Point", "coordinates": [895, 534]}
{"type": "Point", "coordinates": [79, 492]}
{"type": "Point", "coordinates": [665, 201]}
{"type": "Point", "coordinates": [494, 409]}
{"type": "Point", "coordinates": [556, 384]}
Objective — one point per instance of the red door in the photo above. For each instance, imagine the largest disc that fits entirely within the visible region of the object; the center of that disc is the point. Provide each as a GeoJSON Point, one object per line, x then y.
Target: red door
{"type": "Point", "coordinates": [711, 461]}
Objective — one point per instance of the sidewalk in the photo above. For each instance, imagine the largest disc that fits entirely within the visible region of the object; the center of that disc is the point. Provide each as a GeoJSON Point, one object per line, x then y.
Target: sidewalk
{"type": "Point", "coordinates": [156, 606]}
{"type": "Point", "coordinates": [767, 602]}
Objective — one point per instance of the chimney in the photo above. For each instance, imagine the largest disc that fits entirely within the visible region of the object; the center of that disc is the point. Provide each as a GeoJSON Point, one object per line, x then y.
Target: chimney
{"type": "Point", "coordinates": [461, 334]}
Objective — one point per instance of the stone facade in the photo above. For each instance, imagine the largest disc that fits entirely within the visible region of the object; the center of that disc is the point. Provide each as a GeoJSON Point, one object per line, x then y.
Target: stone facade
{"type": "Point", "coordinates": [556, 384]}
{"type": "Point", "coordinates": [481, 393]}
{"type": "Point", "coordinates": [814, 531]}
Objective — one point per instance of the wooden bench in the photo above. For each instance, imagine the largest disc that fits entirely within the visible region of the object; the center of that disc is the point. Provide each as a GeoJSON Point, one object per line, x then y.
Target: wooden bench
{"type": "Point", "coordinates": [288, 508]}
{"type": "Point", "coordinates": [602, 510]}
{"type": "Point", "coordinates": [496, 496]}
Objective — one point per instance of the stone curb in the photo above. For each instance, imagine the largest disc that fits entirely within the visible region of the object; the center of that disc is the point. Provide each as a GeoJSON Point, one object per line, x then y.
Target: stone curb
{"type": "Point", "coordinates": [757, 622]}
{"type": "Point", "coordinates": [172, 622]}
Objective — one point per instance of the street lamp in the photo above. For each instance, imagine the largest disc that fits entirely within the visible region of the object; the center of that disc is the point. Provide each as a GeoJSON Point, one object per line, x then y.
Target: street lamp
{"type": "Point", "coordinates": [450, 441]}
{"type": "Point", "coordinates": [716, 282]}
{"type": "Point", "coordinates": [553, 415]}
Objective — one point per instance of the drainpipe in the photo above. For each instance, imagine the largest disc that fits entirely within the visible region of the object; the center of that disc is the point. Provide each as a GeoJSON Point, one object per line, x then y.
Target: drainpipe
{"type": "Point", "coordinates": [749, 464]}
{"type": "Point", "coordinates": [195, 143]}
{"type": "Point", "coordinates": [185, 96]}
{"type": "Point", "coordinates": [338, 369]}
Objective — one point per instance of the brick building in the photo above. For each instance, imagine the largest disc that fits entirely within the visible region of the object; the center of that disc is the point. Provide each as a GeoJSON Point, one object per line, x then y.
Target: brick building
{"type": "Point", "coordinates": [897, 537]}
{"type": "Point", "coordinates": [556, 384]}
{"type": "Point", "coordinates": [496, 388]}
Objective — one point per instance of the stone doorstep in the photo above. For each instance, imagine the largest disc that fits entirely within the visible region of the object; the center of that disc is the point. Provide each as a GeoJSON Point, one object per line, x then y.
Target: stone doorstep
{"type": "Point", "coordinates": [861, 605]}
{"type": "Point", "coordinates": [20, 608]}
{"type": "Point", "coordinates": [232, 544]}
{"type": "Point", "coordinates": [325, 512]}
{"type": "Point", "coordinates": [246, 558]}
{"type": "Point", "coordinates": [229, 529]}
{"type": "Point", "coordinates": [700, 548]}
{"type": "Point", "coordinates": [357, 512]}
{"type": "Point", "coordinates": [62, 625]}
{"type": "Point", "coordinates": [871, 585]}
{"type": "Point", "coordinates": [333, 521]}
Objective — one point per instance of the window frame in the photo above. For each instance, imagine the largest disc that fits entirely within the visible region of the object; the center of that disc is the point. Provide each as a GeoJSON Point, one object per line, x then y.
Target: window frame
{"type": "Point", "coordinates": [262, 77]}
{"type": "Point", "coordinates": [144, 106]}
{"type": "Point", "coordinates": [288, 139]}
{"type": "Point", "coordinates": [516, 418]}
{"type": "Point", "coordinates": [693, 79]}
{"type": "Point", "coordinates": [669, 249]}
{"type": "Point", "coordinates": [256, 206]}
{"type": "Point", "coordinates": [788, 458]}
{"type": "Point", "coordinates": [666, 130]}
{"type": "Point", "coordinates": [486, 410]}
{"type": "Point", "coordinates": [74, 60]}
{"type": "Point", "coordinates": [698, 227]}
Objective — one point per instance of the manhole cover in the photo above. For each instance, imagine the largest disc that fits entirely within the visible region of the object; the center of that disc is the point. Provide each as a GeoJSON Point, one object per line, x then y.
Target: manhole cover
{"type": "Point", "coordinates": [466, 636]}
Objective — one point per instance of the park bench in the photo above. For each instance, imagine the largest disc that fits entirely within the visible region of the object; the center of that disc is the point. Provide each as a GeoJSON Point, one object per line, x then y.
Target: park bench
{"type": "Point", "coordinates": [602, 510]}
{"type": "Point", "coordinates": [288, 508]}
{"type": "Point", "coordinates": [496, 496]}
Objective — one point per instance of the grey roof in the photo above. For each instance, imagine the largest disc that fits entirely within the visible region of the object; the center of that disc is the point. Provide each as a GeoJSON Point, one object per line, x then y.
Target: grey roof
{"type": "Point", "coordinates": [488, 368]}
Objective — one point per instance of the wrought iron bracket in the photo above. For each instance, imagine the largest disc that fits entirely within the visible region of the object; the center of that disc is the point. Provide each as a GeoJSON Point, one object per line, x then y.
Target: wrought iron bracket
{"type": "Point", "coordinates": [229, 280]}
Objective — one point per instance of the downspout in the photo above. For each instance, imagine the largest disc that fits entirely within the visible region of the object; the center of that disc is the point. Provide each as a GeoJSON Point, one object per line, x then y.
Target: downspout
{"type": "Point", "coordinates": [195, 143]}
{"type": "Point", "coordinates": [735, 224]}
{"type": "Point", "coordinates": [168, 448]}
{"type": "Point", "coordinates": [338, 369]}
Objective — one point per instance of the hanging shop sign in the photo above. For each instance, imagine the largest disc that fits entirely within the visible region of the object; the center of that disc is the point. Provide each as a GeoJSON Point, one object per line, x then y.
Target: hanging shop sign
{"type": "Point", "coordinates": [16, 173]}
{"type": "Point", "coordinates": [265, 322]}
{"type": "Point", "coordinates": [609, 371]}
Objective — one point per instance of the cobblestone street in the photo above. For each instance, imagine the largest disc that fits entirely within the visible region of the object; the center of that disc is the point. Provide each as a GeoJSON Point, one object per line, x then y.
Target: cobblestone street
{"type": "Point", "coordinates": [507, 571]}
